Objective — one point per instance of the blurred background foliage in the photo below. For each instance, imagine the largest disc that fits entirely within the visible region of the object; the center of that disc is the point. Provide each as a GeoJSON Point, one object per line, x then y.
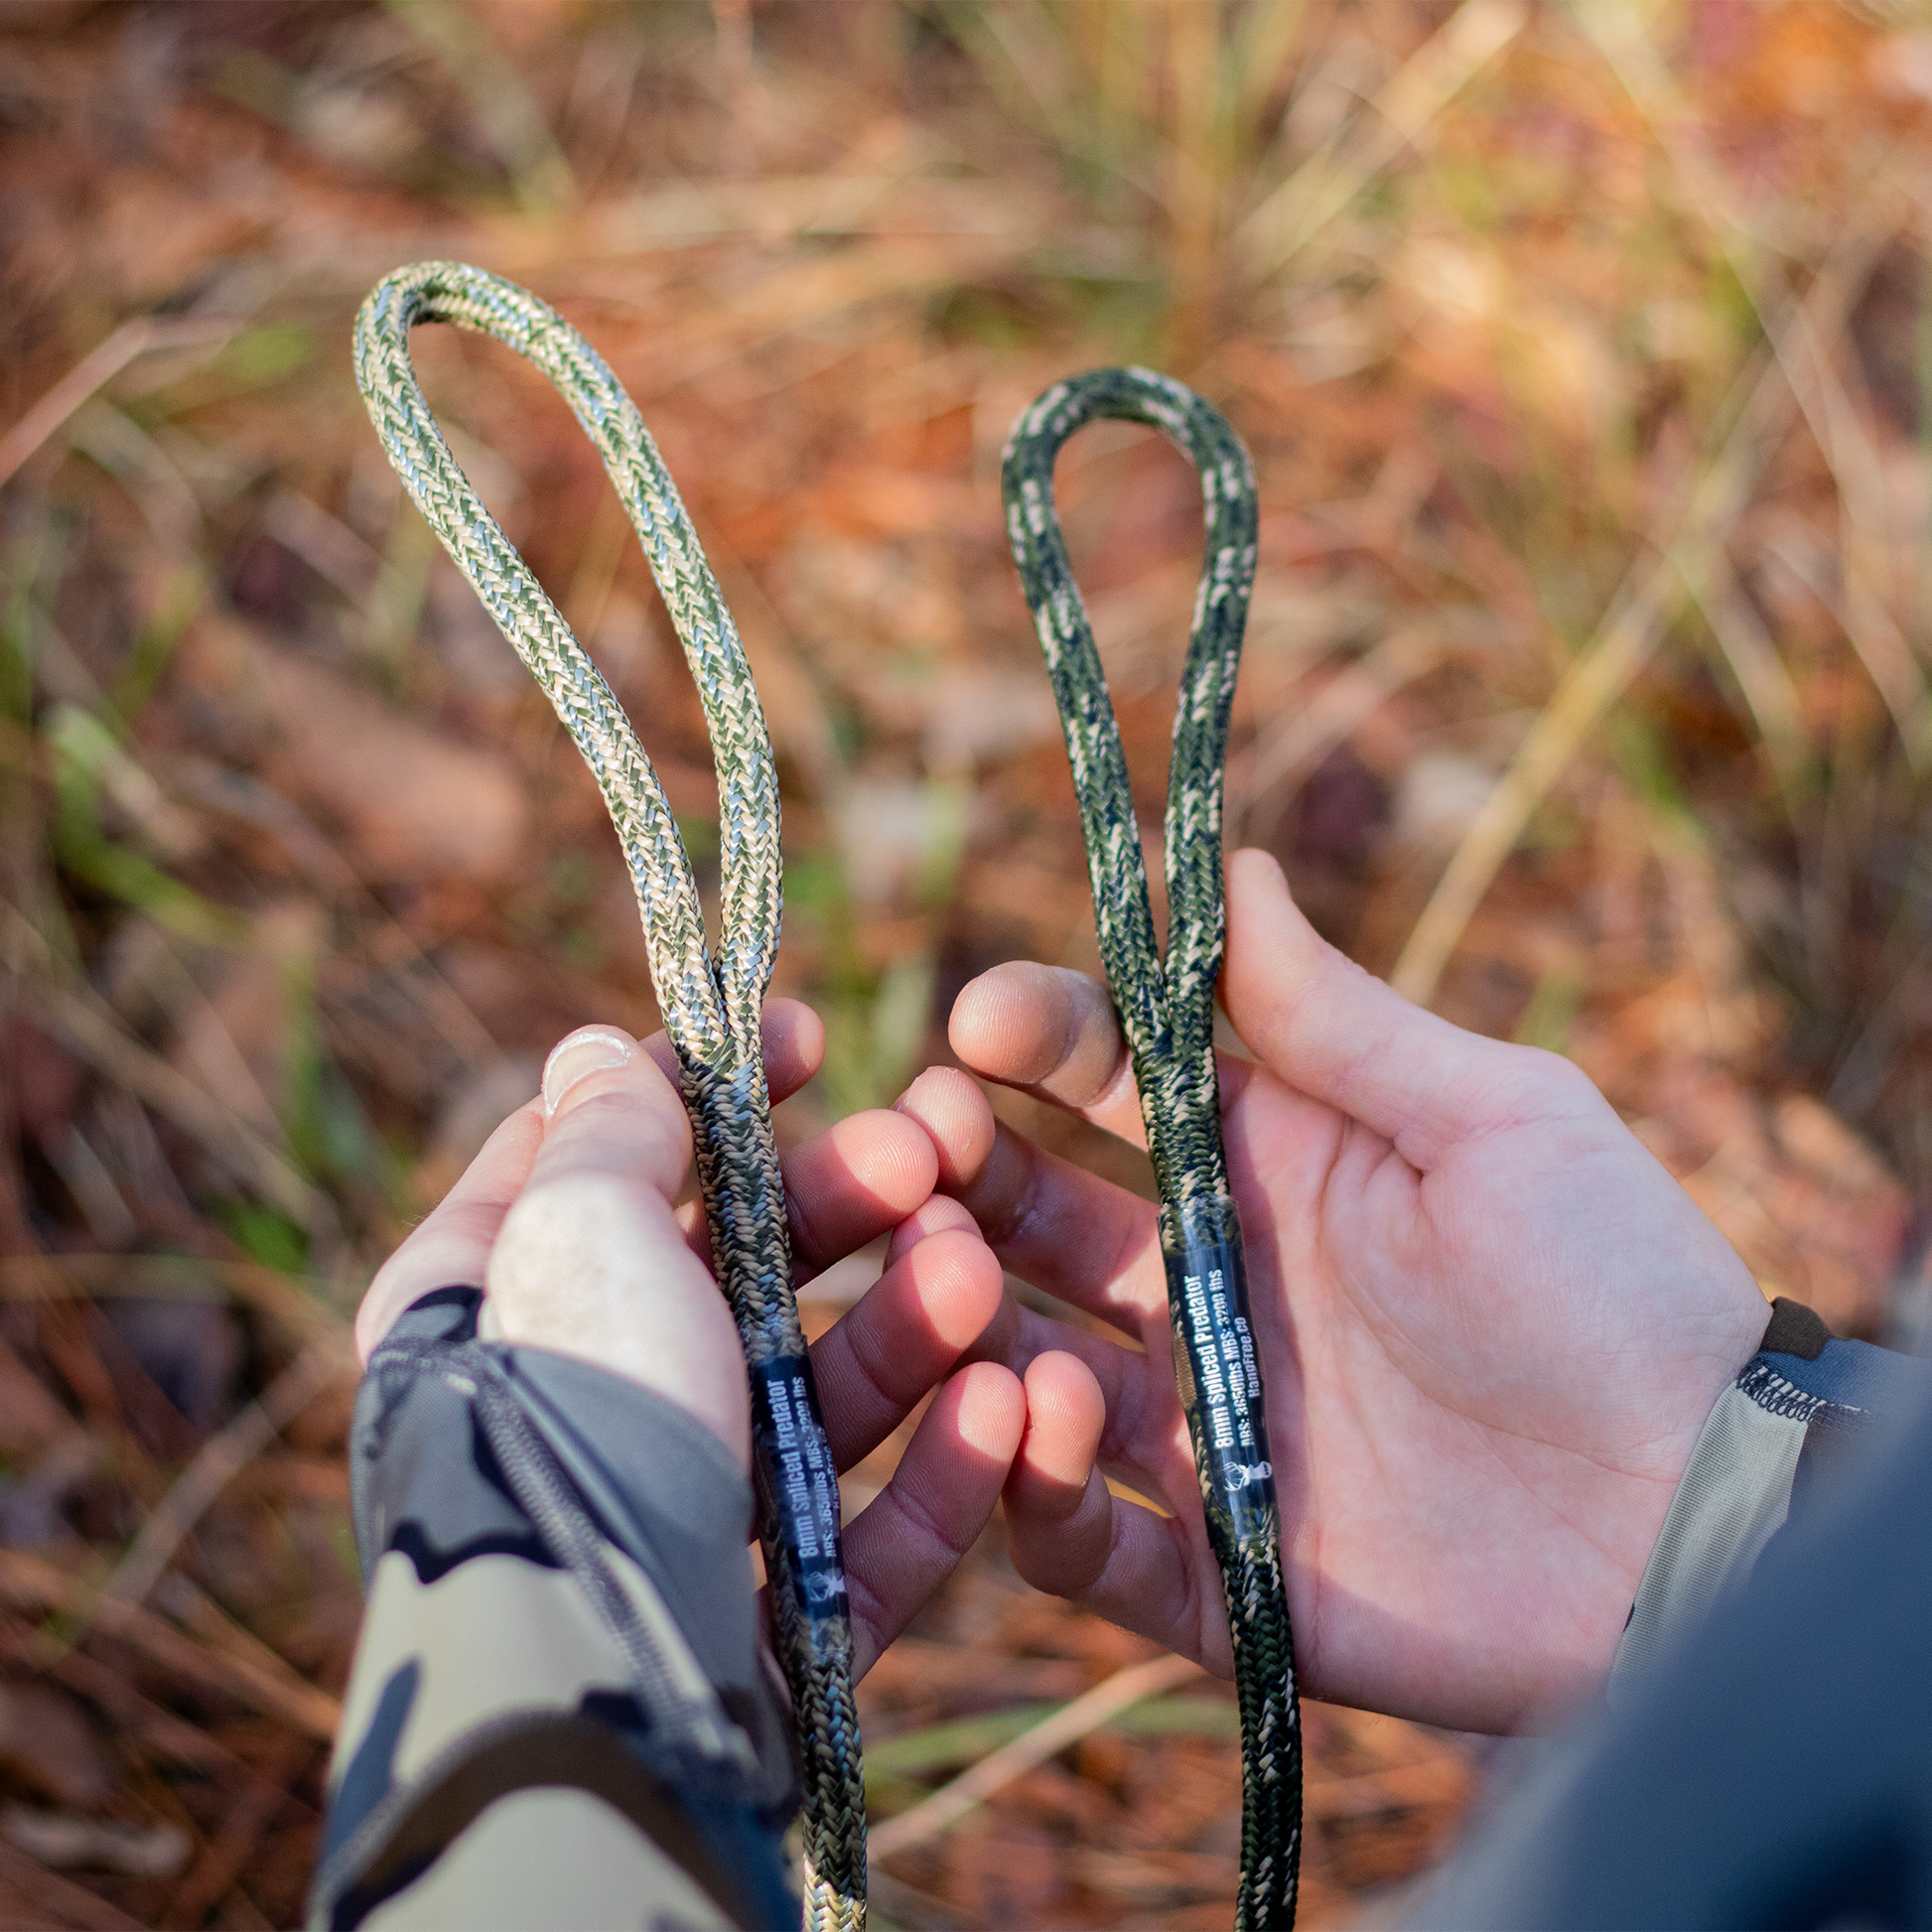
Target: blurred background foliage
{"type": "Point", "coordinates": [1584, 350]}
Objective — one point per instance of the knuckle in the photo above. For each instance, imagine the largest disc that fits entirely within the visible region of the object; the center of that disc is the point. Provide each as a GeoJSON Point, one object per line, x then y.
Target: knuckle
{"type": "Point", "coordinates": [870, 1611]}
{"type": "Point", "coordinates": [928, 1528]}
{"type": "Point", "coordinates": [870, 1353]}
{"type": "Point", "coordinates": [808, 1236]}
{"type": "Point", "coordinates": [1049, 1563]}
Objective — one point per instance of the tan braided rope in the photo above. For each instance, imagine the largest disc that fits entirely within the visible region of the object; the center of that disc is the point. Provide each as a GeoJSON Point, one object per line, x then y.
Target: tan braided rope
{"type": "Point", "coordinates": [710, 1007]}
{"type": "Point", "coordinates": [1167, 1013]}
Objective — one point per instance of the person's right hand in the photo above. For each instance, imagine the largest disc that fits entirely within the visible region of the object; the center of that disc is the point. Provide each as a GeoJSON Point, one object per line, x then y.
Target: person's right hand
{"type": "Point", "coordinates": [1491, 1329]}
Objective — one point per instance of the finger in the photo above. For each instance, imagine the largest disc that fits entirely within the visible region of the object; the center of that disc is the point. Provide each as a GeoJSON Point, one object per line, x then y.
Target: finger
{"type": "Point", "coordinates": [1335, 1033]}
{"type": "Point", "coordinates": [1059, 1510]}
{"type": "Point", "coordinates": [1139, 1439]}
{"type": "Point", "coordinates": [878, 1361]}
{"type": "Point", "coordinates": [791, 1036]}
{"type": "Point", "coordinates": [609, 1110]}
{"type": "Point", "coordinates": [1053, 1034]}
{"type": "Point", "coordinates": [451, 1245]}
{"type": "Point", "coordinates": [951, 1109]}
{"type": "Point", "coordinates": [1050, 1222]}
{"type": "Point", "coordinates": [1067, 1535]}
{"type": "Point", "coordinates": [853, 1182]}
{"type": "Point", "coordinates": [590, 1259]}
{"type": "Point", "coordinates": [844, 1187]}
{"type": "Point", "coordinates": [936, 1215]}
{"type": "Point", "coordinates": [911, 1537]}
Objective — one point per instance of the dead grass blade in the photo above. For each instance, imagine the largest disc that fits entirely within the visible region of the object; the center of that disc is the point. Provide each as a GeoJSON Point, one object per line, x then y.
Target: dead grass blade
{"type": "Point", "coordinates": [1599, 676]}
{"type": "Point", "coordinates": [1650, 597]}
{"type": "Point", "coordinates": [1867, 624]}
{"type": "Point", "coordinates": [1807, 358]}
{"type": "Point", "coordinates": [1286, 753]}
{"type": "Point", "coordinates": [59, 1899]}
{"type": "Point", "coordinates": [1399, 117]}
{"type": "Point", "coordinates": [221, 1458]}
{"type": "Point", "coordinates": [299, 1316]}
{"type": "Point", "coordinates": [1754, 660]}
{"type": "Point", "coordinates": [91, 1028]}
{"type": "Point", "coordinates": [509, 114]}
{"type": "Point", "coordinates": [1260, 45]}
{"type": "Point", "coordinates": [33, 1583]}
{"type": "Point", "coordinates": [1027, 64]}
{"type": "Point", "coordinates": [157, 1730]}
{"type": "Point", "coordinates": [242, 796]}
{"type": "Point", "coordinates": [1879, 644]}
{"type": "Point", "coordinates": [94, 371]}
{"type": "Point", "coordinates": [1066, 1725]}
{"type": "Point", "coordinates": [222, 1863]}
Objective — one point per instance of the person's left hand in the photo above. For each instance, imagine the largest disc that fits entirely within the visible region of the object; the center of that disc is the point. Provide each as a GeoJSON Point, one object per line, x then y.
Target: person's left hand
{"type": "Point", "coordinates": [568, 1217]}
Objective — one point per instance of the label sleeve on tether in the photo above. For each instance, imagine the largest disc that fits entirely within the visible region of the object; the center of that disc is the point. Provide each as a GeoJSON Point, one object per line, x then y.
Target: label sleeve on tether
{"type": "Point", "coordinates": [1215, 1365]}
{"type": "Point", "coordinates": [803, 1491]}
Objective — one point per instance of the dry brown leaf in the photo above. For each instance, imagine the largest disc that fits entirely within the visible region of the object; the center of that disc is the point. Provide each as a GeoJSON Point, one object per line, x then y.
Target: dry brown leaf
{"type": "Point", "coordinates": [417, 805]}
{"type": "Point", "coordinates": [63, 1841]}
{"type": "Point", "coordinates": [48, 1747]}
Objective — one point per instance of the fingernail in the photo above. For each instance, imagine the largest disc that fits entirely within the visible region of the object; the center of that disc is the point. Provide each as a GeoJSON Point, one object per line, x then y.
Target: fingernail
{"type": "Point", "coordinates": [590, 1050]}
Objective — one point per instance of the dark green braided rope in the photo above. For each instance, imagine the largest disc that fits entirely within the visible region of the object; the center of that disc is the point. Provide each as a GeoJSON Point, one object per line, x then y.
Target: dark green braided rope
{"type": "Point", "coordinates": [1166, 1012]}
{"type": "Point", "coordinates": [710, 1007]}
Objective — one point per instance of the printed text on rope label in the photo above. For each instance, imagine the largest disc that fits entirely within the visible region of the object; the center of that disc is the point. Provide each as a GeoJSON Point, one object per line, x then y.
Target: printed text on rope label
{"type": "Point", "coordinates": [1220, 1378]}
{"type": "Point", "coordinates": [802, 1489]}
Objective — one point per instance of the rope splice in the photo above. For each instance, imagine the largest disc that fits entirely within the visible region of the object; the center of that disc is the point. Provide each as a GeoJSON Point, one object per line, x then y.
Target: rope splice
{"type": "Point", "coordinates": [710, 1007]}
{"type": "Point", "coordinates": [1167, 1013]}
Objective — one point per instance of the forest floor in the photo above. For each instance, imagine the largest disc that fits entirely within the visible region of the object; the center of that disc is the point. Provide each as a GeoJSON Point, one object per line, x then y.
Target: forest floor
{"type": "Point", "coordinates": [1583, 356]}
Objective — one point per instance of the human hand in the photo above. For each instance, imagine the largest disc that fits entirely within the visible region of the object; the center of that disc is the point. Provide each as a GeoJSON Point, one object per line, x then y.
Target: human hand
{"type": "Point", "coordinates": [1491, 1329]}
{"type": "Point", "coordinates": [567, 1217]}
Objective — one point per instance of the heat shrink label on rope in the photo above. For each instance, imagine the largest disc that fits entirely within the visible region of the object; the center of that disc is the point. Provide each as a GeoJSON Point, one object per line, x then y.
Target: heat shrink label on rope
{"type": "Point", "coordinates": [1216, 1369]}
{"type": "Point", "coordinates": [803, 1491]}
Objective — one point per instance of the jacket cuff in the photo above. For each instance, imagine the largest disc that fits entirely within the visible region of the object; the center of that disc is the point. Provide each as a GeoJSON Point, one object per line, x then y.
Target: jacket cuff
{"type": "Point", "coordinates": [561, 1632]}
{"type": "Point", "coordinates": [1798, 1404]}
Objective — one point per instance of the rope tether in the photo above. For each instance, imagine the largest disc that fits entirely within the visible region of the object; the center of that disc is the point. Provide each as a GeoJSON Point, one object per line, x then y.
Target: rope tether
{"type": "Point", "coordinates": [711, 1008]}
{"type": "Point", "coordinates": [1166, 1012]}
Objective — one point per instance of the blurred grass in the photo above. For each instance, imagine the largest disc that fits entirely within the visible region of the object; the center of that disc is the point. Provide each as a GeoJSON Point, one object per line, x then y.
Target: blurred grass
{"type": "Point", "coordinates": [1583, 351]}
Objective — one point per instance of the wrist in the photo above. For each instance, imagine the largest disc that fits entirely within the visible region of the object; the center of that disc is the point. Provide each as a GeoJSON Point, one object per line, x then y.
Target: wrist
{"type": "Point", "coordinates": [665, 1329]}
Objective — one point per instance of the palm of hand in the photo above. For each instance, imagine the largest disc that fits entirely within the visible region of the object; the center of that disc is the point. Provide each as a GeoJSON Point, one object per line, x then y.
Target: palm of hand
{"type": "Point", "coordinates": [1491, 1328]}
{"type": "Point", "coordinates": [1483, 1382]}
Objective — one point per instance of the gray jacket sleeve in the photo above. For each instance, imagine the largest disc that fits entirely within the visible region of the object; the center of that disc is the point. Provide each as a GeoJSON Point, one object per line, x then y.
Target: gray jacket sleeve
{"type": "Point", "coordinates": [1768, 1768]}
{"type": "Point", "coordinates": [1798, 1406]}
{"type": "Point", "coordinates": [559, 1712]}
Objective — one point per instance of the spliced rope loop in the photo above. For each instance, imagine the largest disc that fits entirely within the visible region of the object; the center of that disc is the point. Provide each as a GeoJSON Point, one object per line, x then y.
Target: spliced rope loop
{"type": "Point", "coordinates": [1166, 1012]}
{"type": "Point", "coordinates": [711, 1008]}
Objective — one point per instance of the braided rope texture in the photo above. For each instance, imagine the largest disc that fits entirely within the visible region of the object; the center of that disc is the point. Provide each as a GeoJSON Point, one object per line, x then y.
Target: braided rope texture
{"type": "Point", "coordinates": [1167, 1013]}
{"type": "Point", "coordinates": [710, 1007]}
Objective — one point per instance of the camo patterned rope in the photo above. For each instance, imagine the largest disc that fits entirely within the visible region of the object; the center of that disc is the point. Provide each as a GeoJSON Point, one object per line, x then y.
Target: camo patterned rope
{"type": "Point", "coordinates": [1166, 1012]}
{"type": "Point", "coordinates": [711, 1008]}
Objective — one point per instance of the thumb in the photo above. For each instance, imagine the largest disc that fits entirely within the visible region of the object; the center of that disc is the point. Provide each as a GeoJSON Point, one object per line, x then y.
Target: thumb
{"type": "Point", "coordinates": [610, 1108]}
{"type": "Point", "coordinates": [591, 1261]}
{"type": "Point", "coordinates": [1337, 1033]}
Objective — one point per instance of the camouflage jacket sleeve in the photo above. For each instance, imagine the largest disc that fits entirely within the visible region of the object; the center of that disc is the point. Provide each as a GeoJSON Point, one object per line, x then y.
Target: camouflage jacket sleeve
{"type": "Point", "coordinates": [1797, 1406]}
{"type": "Point", "coordinates": [560, 1712]}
